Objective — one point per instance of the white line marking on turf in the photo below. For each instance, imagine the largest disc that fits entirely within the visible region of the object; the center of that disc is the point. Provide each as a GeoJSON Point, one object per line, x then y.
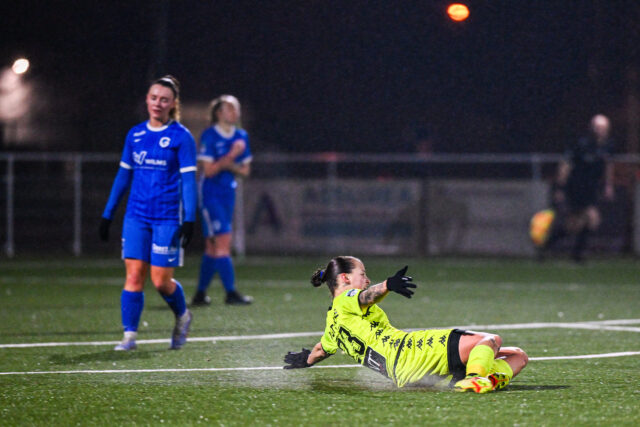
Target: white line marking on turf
{"type": "Point", "coordinates": [166, 340]}
{"type": "Point", "coordinates": [587, 356]}
{"type": "Point", "coordinates": [615, 322]}
{"type": "Point", "coordinates": [142, 371]}
{"type": "Point", "coordinates": [275, 368]}
{"type": "Point", "coordinates": [594, 325]}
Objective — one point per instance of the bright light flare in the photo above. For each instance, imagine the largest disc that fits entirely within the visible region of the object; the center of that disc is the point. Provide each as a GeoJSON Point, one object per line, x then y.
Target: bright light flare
{"type": "Point", "coordinates": [20, 66]}
{"type": "Point", "coordinates": [458, 12]}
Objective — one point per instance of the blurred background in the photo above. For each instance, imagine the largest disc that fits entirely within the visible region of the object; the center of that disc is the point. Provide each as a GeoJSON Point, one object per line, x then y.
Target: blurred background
{"type": "Point", "coordinates": [441, 136]}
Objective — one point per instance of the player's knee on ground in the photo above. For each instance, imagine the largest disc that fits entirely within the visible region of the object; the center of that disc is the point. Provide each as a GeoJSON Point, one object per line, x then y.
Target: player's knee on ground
{"type": "Point", "coordinates": [493, 341]}
{"type": "Point", "coordinates": [498, 341]}
{"type": "Point", "coordinates": [519, 361]}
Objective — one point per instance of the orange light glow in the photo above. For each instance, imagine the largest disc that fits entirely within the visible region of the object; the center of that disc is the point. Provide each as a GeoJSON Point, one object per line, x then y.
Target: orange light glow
{"type": "Point", "coordinates": [458, 12]}
{"type": "Point", "coordinates": [20, 66]}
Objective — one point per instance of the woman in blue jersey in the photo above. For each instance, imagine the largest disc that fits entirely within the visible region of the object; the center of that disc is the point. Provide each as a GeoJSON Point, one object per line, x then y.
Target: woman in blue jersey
{"type": "Point", "coordinates": [158, 166]}
{"type": "Point", "coordinates": [224, 154]}
{"type": "Point", "coordinates": [472, 361]}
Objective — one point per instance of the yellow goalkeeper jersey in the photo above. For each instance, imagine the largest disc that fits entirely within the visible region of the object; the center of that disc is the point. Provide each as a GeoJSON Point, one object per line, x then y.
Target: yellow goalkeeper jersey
{"type": "Point", "coordinates": [368, 337]}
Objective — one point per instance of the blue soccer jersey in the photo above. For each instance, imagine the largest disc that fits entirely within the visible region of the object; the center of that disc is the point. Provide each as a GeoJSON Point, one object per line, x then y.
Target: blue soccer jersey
{"type": "Point", "coordinates": [157, 157]}
{"type": "Point", "coordinates": [214, 144]}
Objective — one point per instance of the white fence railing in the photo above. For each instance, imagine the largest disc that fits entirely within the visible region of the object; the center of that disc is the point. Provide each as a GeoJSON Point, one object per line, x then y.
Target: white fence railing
{"type": "Point", "coordinates": [52, 201]}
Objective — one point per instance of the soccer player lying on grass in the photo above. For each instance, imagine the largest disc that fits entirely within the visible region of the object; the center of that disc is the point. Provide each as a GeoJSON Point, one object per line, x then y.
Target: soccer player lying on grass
{"type": "Point", "coordinates": [472, 361]}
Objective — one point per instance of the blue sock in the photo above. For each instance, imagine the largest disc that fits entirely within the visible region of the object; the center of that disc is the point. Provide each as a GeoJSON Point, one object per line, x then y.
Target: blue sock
{"type": "Point", "coordinates": [131, 305]}
{"type": "Point", "coordinates": [227, 275]}
{"type": "Point", "coordinates": [207, 271]}
{"type": "Point", "coordinates": [176, 300]}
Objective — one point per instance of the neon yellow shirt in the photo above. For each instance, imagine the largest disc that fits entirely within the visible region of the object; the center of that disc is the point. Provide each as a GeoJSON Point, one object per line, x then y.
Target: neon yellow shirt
{"type": "Point", "coordinates": [369, 338]}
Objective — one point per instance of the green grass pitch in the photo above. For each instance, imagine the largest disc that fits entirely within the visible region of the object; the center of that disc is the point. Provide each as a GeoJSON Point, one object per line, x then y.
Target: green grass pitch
{"type": "Point", "coordinates": [77, 301]}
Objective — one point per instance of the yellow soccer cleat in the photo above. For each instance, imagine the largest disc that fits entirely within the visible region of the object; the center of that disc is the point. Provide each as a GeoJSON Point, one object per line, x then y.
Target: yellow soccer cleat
{"type": "Point", "coordinates": [499, 380]}
{"type": "Point", "coordinates": [475, 384]}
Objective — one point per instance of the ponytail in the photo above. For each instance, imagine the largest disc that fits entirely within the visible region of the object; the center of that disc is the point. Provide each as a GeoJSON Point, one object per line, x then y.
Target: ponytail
{"type": "Point", "coordinates": [336, 267]}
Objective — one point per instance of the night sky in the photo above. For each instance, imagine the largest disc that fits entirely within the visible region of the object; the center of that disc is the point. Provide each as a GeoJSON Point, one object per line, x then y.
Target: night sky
{"type": "Point", "coordinates": [377, 76]}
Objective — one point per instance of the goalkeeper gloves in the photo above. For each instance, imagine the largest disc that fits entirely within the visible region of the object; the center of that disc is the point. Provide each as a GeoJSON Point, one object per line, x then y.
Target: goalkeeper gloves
{"type": "Point", "coordinates": [400, 283]}
{"type": "Point", "coordinates": [297, 360]}
{"type": "Point", "coordinates": [186, 233]}
{"type": "Point", "coordinates": [104, 229]}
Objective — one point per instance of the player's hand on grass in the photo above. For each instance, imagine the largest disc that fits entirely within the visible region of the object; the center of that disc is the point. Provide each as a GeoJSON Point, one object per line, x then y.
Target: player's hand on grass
{"type": "Point", "coordinates": [297, 359]}
{"type": "Point", "coordinates": [400, 283]}
{"type": "Point", "coordinates": [186, 233]}
{"type": "Point", "coordinates": [104, 229]}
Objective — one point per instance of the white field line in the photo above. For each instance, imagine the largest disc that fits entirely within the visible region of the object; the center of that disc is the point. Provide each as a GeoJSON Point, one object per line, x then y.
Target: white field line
{"type": "Point", "coordinates": [587, 356]}
{"type": "Point", "coordinates": [615, 322]}
{"type": "Point", "coordinates": [276, 368]}
{"type": "Point", "coordinates": [142, 371]}
{"type": "Point", "coordinates": [595, 325]}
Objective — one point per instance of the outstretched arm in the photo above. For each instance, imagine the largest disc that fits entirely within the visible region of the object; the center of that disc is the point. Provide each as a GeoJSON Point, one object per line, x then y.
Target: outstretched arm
{"type": "Point", "coordinates": [317, 355]}
{"type": "Point", "coordinates": [305, 358]}
{"type": "Point", "coordinates": [373, 295]}
{"type": "Point", "coordinates": [397, 283]}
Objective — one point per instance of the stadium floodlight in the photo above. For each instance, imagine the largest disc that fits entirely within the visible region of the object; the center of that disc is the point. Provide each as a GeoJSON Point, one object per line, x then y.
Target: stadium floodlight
{"type": "Point", "coordinates": [458, 12]}
{"type": "Point", "coordinates": [20, 66]}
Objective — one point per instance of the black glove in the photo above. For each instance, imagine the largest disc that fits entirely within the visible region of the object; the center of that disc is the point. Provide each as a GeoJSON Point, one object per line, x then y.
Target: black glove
{"type": "Point", "coordinates": [186, 233]}
{"type": "Point", "coordinates": [297, 360]}
{"type": "Point", "coordinates": [400, 283]}
{"type": "Point", "coordinates": [104, 229]}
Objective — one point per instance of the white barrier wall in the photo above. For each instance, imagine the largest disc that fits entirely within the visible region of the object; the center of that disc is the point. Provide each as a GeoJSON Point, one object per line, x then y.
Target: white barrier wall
{"type": "Point", "coordinates": [482, 217]}
{"type": "Point", "coordinates": [340, 217]}
{"type": "Point", "coordinates": [390, 217]}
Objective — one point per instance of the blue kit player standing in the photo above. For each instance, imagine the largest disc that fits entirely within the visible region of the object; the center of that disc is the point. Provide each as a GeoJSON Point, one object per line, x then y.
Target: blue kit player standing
{"type": "Point", "coordinates": [224, 154]}
{"type": "Point", "coordinates": [158, 164]}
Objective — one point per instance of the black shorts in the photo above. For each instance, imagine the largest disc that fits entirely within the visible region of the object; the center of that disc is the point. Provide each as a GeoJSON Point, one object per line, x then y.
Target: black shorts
{"type": "Point", "coordinates": [580, 197]}
{"type": "Point", "coordinates": [456, 367]}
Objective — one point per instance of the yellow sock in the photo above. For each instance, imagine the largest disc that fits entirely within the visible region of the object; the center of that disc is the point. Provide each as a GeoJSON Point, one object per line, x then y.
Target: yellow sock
{"type": "Point", "coordinates": [480, 361]}
{"type": "Point", "coordinates": [501, 366]}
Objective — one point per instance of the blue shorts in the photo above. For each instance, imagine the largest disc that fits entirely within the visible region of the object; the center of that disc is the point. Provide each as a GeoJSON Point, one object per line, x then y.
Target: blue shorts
{"type": "Point", "coordinates": [217, 214]}
{"type": "Point", "coordinates": [156, 244]}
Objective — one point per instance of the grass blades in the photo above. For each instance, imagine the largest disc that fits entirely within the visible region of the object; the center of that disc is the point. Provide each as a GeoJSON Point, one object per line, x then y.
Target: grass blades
{"type": "Point", "coordinates": [237, 381]}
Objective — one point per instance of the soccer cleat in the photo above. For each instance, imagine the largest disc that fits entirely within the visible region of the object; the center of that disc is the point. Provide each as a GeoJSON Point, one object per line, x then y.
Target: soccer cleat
{"type": "Point", "coordinates": [200, 299]}
{"type": "Point", "coordinates": [181, 330]}
{"type": "Point", "coordinates": [126, 345]}
{"type": "Point", "coordinates": [236, 298]}
{"type": "Point", "coordinates": [475, 384]}
{"type": "Point", "coordinates": [499, 380]}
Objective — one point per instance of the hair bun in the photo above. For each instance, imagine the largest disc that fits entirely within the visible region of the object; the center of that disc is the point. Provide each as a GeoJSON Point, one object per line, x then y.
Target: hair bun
{"type": "Point", "coordinates": [318, 277]}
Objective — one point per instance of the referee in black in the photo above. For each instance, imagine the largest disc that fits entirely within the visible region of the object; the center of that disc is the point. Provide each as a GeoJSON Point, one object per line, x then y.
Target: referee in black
{"type": "Point", "coordinates": [582, 178]}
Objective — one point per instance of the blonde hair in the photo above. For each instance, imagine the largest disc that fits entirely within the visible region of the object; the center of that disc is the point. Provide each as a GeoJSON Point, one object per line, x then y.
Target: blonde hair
{"type": "Point", "coordinates": [216, 104]}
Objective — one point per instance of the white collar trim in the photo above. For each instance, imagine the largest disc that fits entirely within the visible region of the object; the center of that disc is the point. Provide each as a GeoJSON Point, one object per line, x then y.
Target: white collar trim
{"type": "Point", "coordinates": [223, 133]}
{"type": "Point", "coordinates": [158, 129]}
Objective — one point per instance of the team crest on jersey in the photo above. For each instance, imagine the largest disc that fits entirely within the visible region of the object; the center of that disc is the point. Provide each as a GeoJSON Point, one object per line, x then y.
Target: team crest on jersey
{"type": "Point", "coordinates": [352, 292]}
{"type": "Point", "coordinates": [139, 157]}
{"type": "Point", "coordinates": [164, 141]}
